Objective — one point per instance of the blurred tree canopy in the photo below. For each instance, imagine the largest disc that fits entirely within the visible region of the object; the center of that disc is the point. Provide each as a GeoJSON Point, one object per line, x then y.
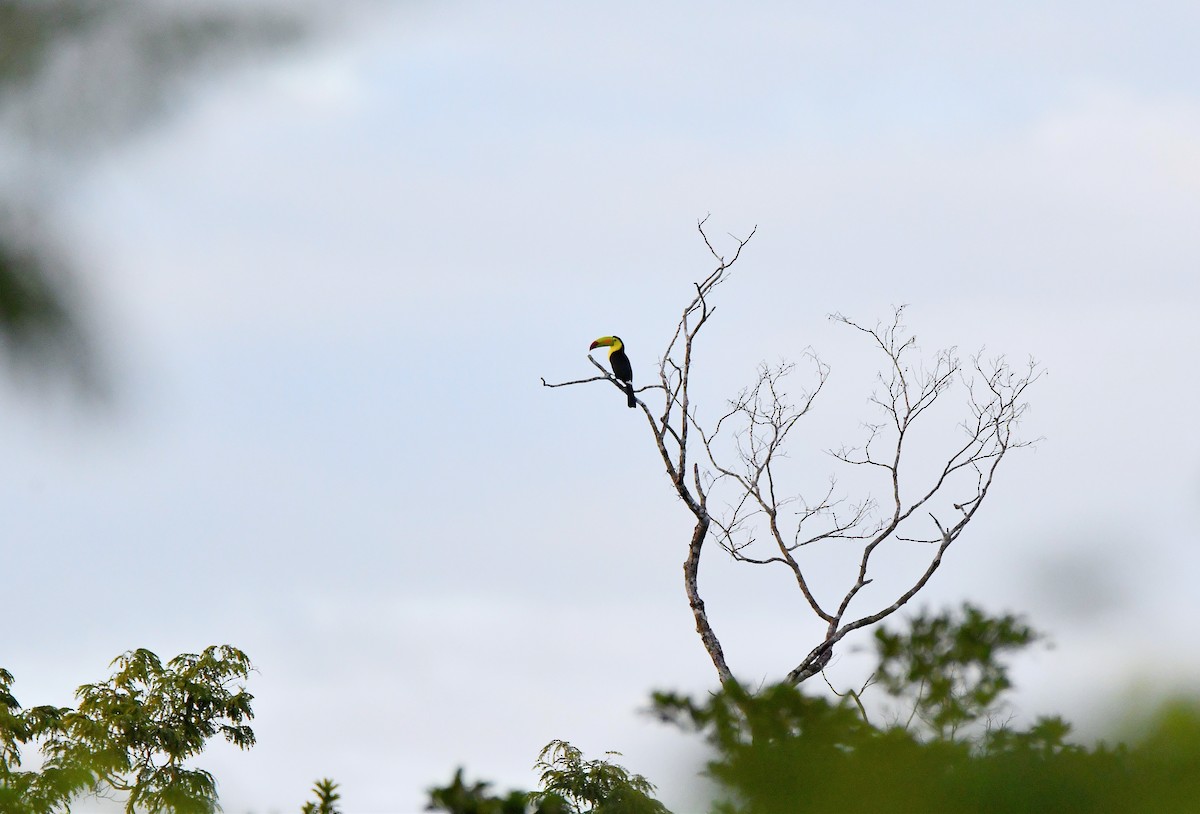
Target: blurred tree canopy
{"type": "Point", "coordinates": [78, 77]}
{"type": "Point", "coordinates": [782, 751]}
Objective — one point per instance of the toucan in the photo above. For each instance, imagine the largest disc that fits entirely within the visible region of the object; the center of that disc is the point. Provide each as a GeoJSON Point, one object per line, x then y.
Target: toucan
{"type": "Point", "coordinates": [620, 363]}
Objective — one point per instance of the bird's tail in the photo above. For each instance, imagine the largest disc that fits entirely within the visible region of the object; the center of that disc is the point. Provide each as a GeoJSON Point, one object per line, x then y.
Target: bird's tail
{"type": "Point", "coordinates": [629, 398]}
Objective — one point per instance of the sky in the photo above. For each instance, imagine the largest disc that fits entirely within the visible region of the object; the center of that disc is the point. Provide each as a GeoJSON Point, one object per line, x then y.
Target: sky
{"type": "Point", "coordinates": [324, 283]}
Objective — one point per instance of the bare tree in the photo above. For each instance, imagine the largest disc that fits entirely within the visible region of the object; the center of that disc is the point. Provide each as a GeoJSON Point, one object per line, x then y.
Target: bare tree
{"type": "Point", "coordinates": [760, 523]}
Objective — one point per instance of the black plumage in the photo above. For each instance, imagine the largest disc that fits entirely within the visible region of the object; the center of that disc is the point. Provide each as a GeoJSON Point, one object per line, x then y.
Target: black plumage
{"type": "Point", "coordinates": [622, 369]}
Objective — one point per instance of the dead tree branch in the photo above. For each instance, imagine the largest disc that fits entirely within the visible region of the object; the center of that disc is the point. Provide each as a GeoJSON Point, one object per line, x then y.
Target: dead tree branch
{"type": "Point", "coordinates": [761, 523]}
{"type": "Point", "coordinates": [996, 407]}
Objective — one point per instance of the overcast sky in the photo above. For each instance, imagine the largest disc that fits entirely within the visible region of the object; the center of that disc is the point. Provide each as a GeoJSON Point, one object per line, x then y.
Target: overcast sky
{"type": "Point", "coordinates": [326, 285]}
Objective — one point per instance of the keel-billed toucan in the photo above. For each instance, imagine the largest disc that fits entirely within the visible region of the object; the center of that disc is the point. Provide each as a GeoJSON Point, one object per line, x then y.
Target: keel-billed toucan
{"type": "Point", "coordinates": [620, 363]}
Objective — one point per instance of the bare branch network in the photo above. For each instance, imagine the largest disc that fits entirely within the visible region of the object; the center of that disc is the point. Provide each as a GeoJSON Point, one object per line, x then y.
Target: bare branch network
{"type": "Point", "coordinates": [761, 523]}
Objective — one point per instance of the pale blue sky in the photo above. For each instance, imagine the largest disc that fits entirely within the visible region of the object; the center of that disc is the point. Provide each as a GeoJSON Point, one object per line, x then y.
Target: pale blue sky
{"type": "Point", "coordinates": [326, 287]}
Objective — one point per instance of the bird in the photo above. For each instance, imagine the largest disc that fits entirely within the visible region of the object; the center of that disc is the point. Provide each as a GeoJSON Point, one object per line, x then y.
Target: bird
{"type": "Point", "coordinates": [620, 363]}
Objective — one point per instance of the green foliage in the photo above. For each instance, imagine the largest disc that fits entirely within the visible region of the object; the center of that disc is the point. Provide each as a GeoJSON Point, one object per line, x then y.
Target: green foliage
{"type": "Point", "coordinates": [947, 669]}
{"type": "Point", "coordinates": [592, 786]}
{"type": "Point", "coordinates": [131, 733]}
{"type": "Point", "coordinates": [779, 751]}
{"type": "Point", "coordinates": [1167, 761]}
{"type": "Point", "coordinates": [461, 797]}
{"type": "Point", "coordinates": [569, 785]}
{"type": "Point", "coordinates": [327, 797]}
{"type": "Point", "coordinates": [28, 791]}
{"type": "Point", "coordinates": [779, 748]}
